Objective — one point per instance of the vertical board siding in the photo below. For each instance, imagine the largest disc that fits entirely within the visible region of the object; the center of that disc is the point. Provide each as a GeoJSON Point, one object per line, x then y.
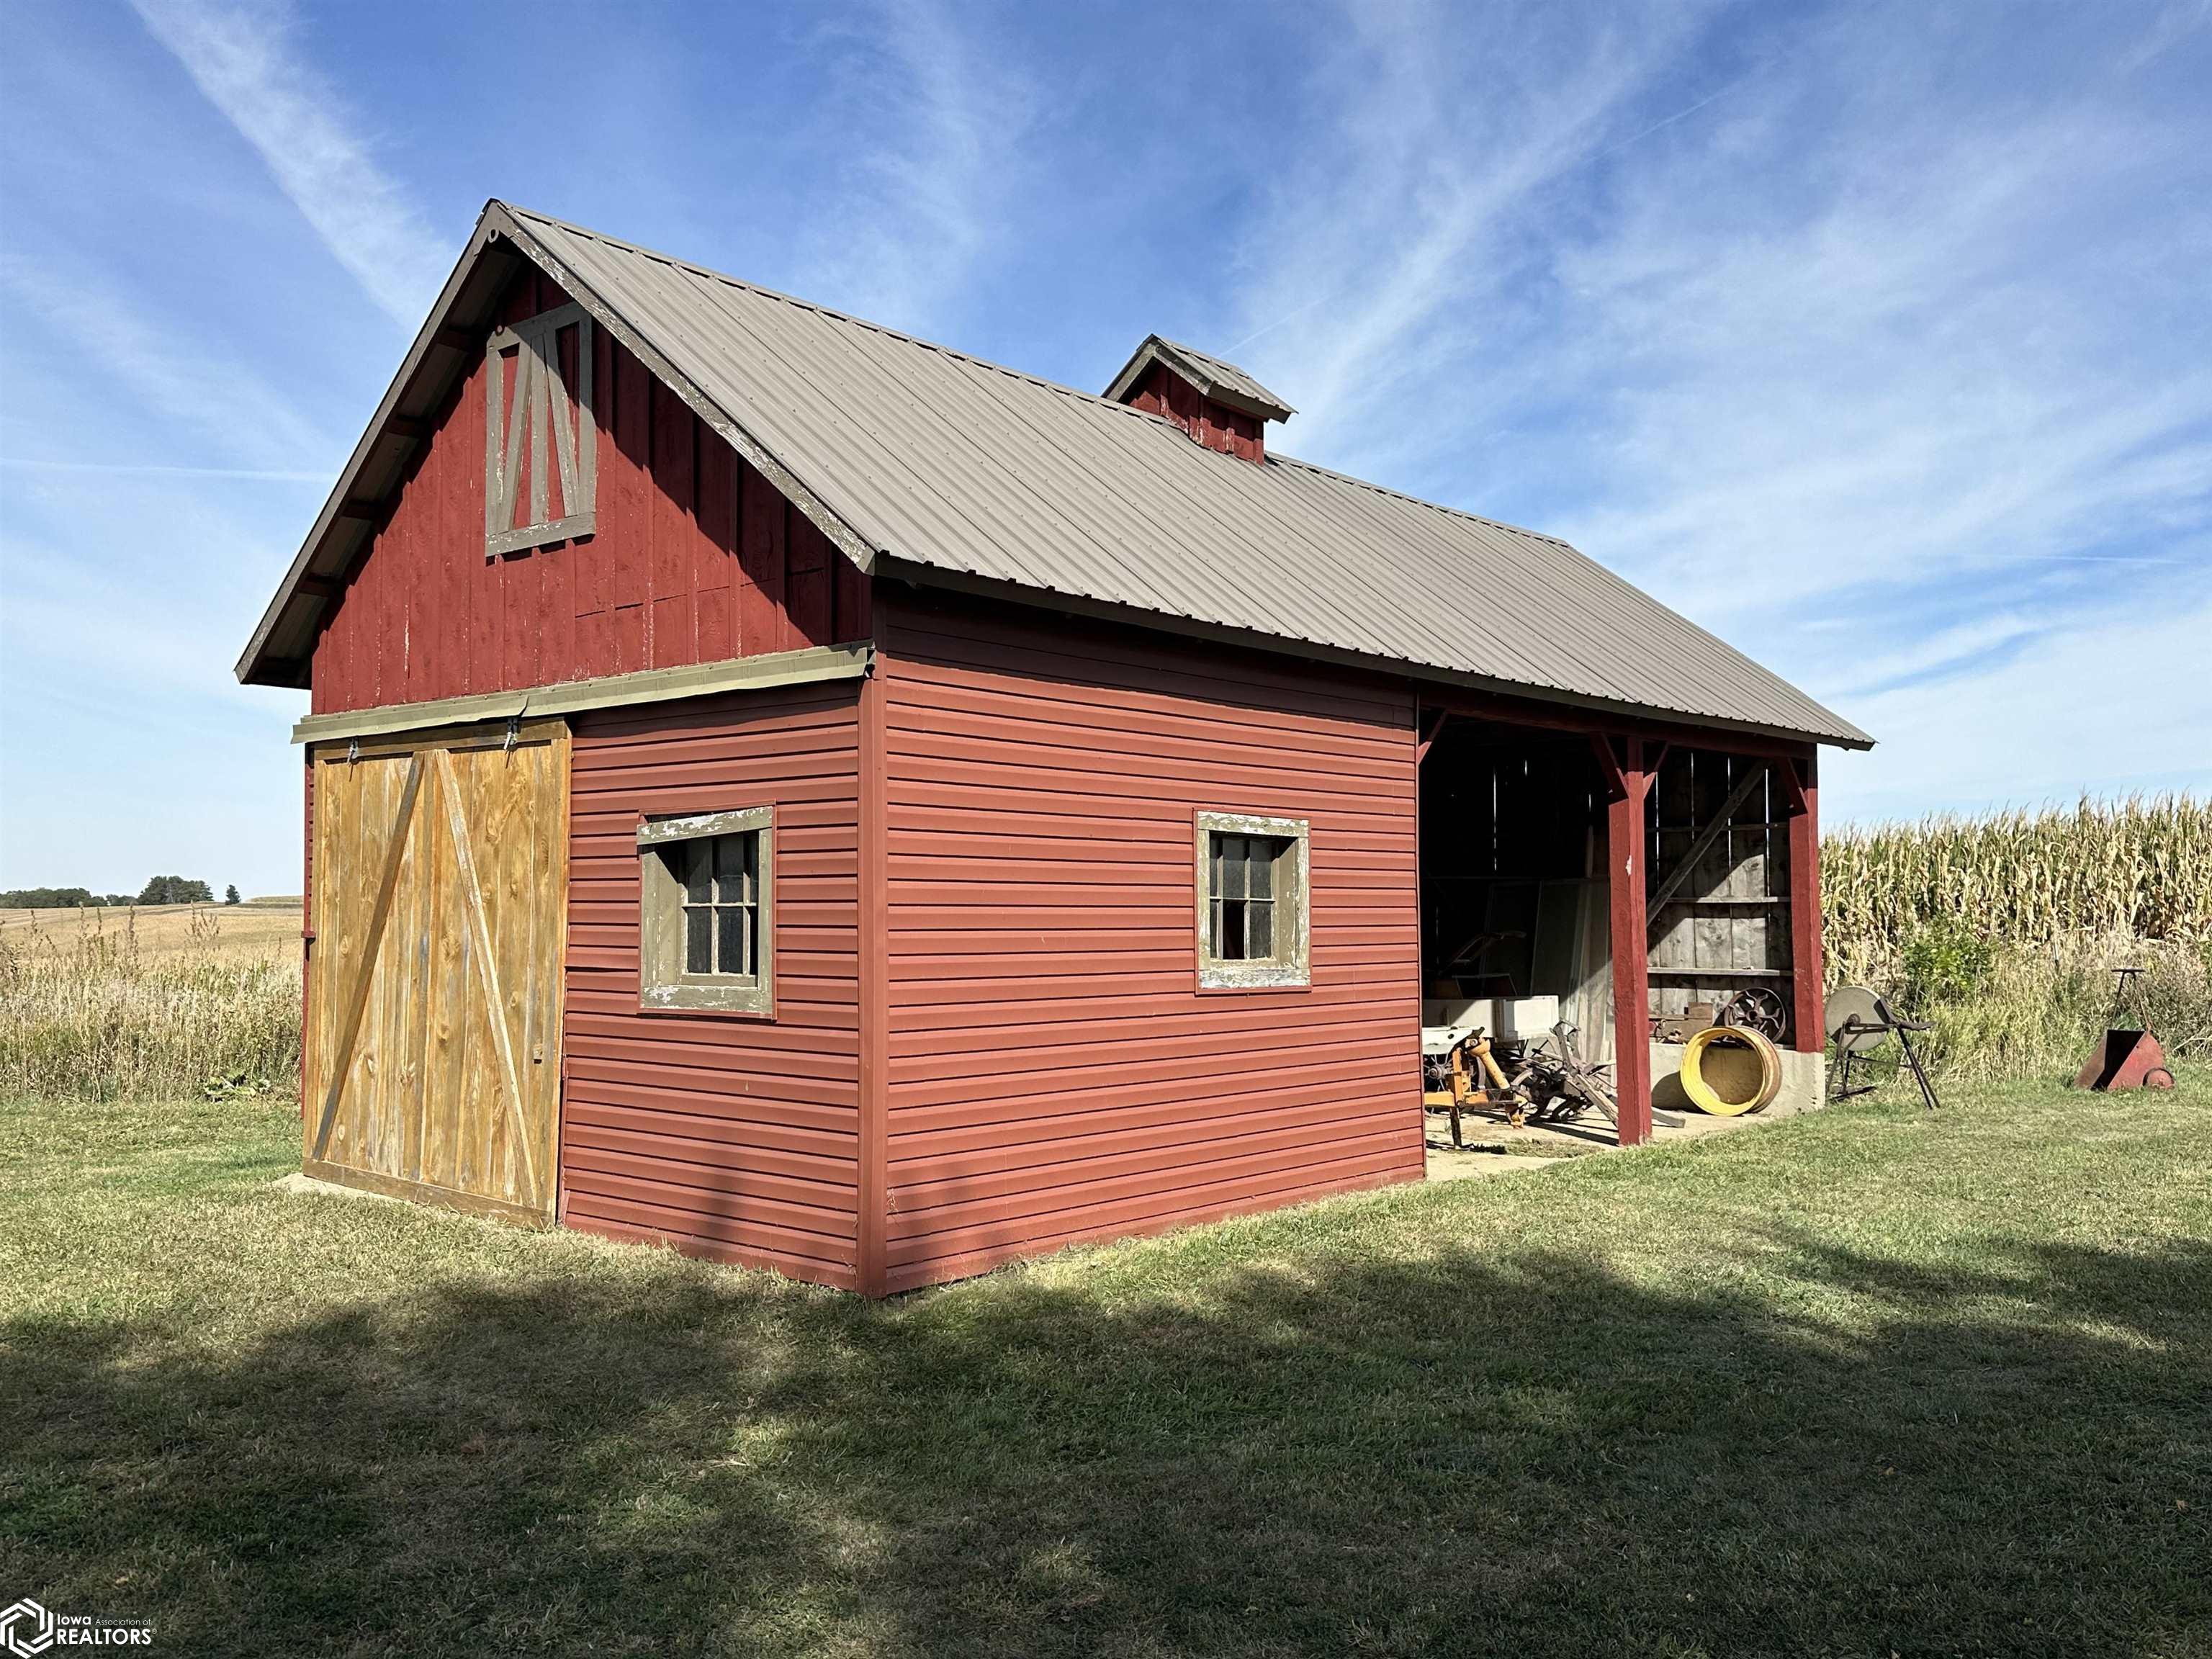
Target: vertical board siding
{"type": "Point", "coordinates": [695, 558]}
{"type": "Point", "coordinates": [1732, 914]}
{"type": "Point", "coordinates": [730, 1137]}
{"type": "Point", "coordinates": [1053, 1073]}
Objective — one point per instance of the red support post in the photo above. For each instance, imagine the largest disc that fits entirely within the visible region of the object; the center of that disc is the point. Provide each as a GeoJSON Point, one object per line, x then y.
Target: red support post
{"type": "Point", "coordinates": [1807, 977]}
{"type": "Point", "coordinates": [1627, 782]}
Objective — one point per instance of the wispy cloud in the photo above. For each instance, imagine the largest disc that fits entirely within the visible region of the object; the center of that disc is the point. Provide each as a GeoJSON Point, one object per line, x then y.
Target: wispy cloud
{"type": "Point", "coordinates": [244, 58]}
{"type": "Point", "coordinates": [926, 123]}
{"type": "Point", "coordinates": [224, 404]}
{"type": "Point", "coordinates": [129, 469]}
{"type": "Point", "coordinates": [2114, 705]}
{"type": "Point", "coordinates": [1817, 321]}
{"type": "Point", "coordinates": [1386, 249]}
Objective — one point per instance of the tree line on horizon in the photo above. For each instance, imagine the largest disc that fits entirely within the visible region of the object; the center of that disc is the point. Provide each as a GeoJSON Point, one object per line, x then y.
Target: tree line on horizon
{"type": "Point", "coordinates": [158, 890]}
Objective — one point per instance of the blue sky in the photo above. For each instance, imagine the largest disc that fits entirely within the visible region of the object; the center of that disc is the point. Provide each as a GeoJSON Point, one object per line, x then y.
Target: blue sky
{"type": "Point", "coordinates": [1877, 338]}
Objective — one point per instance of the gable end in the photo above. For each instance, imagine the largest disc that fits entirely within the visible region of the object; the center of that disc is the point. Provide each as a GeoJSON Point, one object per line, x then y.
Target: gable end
{"type": "Point", "coordinates": [448, 344]}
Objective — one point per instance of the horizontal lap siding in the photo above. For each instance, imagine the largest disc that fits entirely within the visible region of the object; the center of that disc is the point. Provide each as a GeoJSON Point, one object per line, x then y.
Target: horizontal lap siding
{"type": "Point", "coordinates": [1053, 1073]}
{"type": "Point", "coordinates": [695, 558]}
{"type": "Point", "coordinates": [727, 1137]}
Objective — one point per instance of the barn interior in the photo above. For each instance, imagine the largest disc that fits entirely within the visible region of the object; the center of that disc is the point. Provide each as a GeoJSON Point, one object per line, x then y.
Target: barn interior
{"type": "Point", "coordinates": [1514, 889]}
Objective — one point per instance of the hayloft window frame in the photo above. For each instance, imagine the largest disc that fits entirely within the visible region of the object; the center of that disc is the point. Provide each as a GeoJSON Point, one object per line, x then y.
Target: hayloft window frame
{"type": "Point", "coordinates": [1288, 902]}
{"type": "Point", "coordinates": [558, 431]}
{"type": "Point", "coordinates": [668, 910]}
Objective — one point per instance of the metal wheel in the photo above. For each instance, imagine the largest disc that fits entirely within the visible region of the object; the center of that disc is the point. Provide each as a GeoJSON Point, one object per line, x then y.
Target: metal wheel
{"type": "Point", "coordinates": [1756, 1008]}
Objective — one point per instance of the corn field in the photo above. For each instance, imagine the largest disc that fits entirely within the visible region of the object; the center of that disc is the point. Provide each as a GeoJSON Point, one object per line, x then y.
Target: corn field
{"type": "Point", "coordinates": [2003, 930]}
{"type": "Point", "coordinates": [2138, 868]}
{"type": "Point", "coordinates": [90, 1015]}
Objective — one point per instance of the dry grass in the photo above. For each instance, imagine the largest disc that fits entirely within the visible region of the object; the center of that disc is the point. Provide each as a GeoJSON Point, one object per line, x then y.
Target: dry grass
{"type": "Point", "coordinates": [265, 929]}
{"type": "Point", "coordinates": [106, 1005]}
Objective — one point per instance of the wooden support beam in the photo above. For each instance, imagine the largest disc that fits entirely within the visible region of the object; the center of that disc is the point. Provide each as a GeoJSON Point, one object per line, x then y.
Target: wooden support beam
{"type": "Point", "coordinates": [1808, 973]}
{"type": "Point", "coordinates": [1712, 832]}
{"type": "Point", "coordinates": [1436, 724]}
{"type": "Point", "coordinates": [1793, 786]}
{"type": "Point", "coordinates": [409, 427]}
{"type": "Point", "coordinates": [1609, 767]}
{"type": "Point", "coordinates": [321, 587]}
{"type": "Point", "coordinates": [1628, 780]}
{"type": "Point", "coordinates": [458, 340]}
{"type": "Point", "coordinates": [362, 507]}
{"type": "Point", "coordinates": [1542, 716]}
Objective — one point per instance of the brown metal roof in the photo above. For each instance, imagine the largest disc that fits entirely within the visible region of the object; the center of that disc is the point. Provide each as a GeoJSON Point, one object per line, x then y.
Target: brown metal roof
{"type": "Point", "coordinates": [1223, 382]}
{"type": "Point", "coordinates": [947, 464]}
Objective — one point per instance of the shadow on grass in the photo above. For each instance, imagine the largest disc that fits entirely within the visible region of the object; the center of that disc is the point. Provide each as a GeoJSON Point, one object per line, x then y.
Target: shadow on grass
{"type": "Point", "coordinates": [1456, 1454]}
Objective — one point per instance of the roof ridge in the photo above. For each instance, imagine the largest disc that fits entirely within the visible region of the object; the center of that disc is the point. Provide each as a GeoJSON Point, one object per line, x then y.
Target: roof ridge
{"type": "Point", "coordinates": [1423, 500]}
{"type": "Point", "coordinates": [830, 312]}
{"type": "Point", "coordinates": [1040, 380]}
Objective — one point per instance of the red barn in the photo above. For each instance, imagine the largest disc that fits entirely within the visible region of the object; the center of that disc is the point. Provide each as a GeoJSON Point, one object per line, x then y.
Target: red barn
{"type": "Point", "coordinates": [797, 793]}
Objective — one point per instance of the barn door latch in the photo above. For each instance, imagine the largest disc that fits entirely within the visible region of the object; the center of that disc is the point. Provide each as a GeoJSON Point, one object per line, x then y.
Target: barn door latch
{"type": "Point", "coordinates": [514, 733]}
{"type": "Point", "coordinates": [353, 750]}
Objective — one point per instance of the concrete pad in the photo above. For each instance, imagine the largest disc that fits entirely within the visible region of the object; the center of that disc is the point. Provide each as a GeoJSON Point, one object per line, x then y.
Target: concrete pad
{"type": "Point", "coordinates": [1446, 1164]}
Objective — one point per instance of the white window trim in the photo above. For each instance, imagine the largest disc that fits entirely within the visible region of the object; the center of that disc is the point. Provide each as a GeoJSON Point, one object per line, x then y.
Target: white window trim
{"type": "Point", "coordinates": [1291, 971]}
{"type": "Point", "coordinates": [662, 982]}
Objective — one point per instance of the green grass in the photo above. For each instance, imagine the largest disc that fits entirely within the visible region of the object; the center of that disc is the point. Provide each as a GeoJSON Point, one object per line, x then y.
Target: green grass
{"type": "Point", "coordinates": [1861, 1382]}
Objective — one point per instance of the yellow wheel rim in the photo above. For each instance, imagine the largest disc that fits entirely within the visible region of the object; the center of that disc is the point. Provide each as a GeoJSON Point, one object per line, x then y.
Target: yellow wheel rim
{"type": "Point", "coordinates": [1729, 1070]}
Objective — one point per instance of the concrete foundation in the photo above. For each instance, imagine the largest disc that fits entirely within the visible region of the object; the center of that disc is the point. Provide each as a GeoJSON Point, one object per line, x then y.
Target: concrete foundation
{"type": "Point", "coordinates": [1804, 1082]}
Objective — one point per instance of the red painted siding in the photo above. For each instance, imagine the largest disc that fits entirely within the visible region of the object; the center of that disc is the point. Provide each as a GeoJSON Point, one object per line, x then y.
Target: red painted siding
{"type": "Point", "coordinates": [1053, 1073]}
{"type": "Point", "coordinates": [1161, 391]}
{"type": "Point", "coordinates": [697, 559]}
{"type": "Point", "coordinates": [727, 1136]}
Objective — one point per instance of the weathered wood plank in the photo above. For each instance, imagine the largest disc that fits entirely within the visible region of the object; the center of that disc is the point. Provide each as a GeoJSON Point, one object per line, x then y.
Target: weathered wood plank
{"type": "Point", "coordinates": [357, 999]}
{"type": "Point", "coordinates": [470, 902]}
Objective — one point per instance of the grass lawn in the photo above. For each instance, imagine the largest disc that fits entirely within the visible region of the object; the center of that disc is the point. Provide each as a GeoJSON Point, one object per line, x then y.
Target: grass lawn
{"type": "Point", "coordinates": [1862, 1383]}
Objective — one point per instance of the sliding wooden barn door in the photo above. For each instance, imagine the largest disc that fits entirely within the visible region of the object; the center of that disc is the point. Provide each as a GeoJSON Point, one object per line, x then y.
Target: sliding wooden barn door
{"type": "Point", "coordinates": [441, 906]}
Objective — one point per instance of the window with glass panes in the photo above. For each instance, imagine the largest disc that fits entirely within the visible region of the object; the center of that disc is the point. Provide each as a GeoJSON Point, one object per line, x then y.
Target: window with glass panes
{"type": "Point", "coordinates": [721, 903]}
{"type": "Point", "coordinates": [706, 899]}
{"type": "Point", "coordinates": [1242, 922]}
{"type": "Point", "coordinates": [1253, 925]}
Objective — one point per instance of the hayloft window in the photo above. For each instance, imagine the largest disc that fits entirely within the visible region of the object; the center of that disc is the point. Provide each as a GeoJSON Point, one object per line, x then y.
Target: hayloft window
{"type": "Point", "coordinates": [706, 895]}
{"type": "Point", "coordinates": [1253, 924]}
{"type": "Point", "coordinates": [541, 449]}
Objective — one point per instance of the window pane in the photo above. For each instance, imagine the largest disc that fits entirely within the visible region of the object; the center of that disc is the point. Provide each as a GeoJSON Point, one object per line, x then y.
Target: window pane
{"type": "Point", "coordinates": [694, 855]}
{"type": "Point", "coordinates": [1231, 885]}
{"type": "Point", "coordinates": [1265, 850]}
{"type": "Point", "coordinates": [698, 940]}
{"type": "Point", "coordinates": [733, 868]}
{"type": "Point", "coordinates": [733, 950]}
{"type": "Point", "coordinates": [1232, 931]}
{"type": "Point", "coordinates": [1259, 929]}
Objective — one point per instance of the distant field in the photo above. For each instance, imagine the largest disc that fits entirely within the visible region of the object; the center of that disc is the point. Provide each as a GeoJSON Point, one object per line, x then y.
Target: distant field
{"type": "Point", "coordinates": [258, 928]}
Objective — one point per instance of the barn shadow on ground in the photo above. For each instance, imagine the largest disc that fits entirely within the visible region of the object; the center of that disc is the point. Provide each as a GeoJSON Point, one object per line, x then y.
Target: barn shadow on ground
{"type": "Point", "coordinates": [1454, 1454]}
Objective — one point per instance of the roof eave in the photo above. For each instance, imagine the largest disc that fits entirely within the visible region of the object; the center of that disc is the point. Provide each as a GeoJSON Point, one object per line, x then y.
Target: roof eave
{"type": "Point", "coordinates": [888, 564]}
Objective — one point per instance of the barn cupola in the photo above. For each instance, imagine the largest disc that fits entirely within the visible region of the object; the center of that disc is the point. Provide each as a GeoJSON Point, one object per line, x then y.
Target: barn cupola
{"type": "Point", "coordinates": [1217, 404]}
